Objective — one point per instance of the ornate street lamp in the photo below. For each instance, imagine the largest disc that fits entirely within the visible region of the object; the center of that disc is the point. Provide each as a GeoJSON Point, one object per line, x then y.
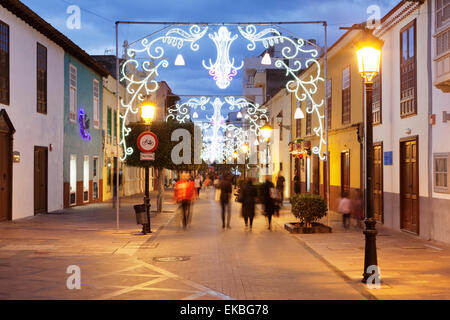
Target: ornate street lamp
{"type": "Point", "coordinates": [147, 114]}
{"type": "Point", "coordinates": [368, 53]}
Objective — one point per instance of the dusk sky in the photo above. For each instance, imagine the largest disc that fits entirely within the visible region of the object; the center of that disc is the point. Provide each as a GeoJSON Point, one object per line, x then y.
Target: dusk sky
{"type": "Point", "coordinates": [97, 33]}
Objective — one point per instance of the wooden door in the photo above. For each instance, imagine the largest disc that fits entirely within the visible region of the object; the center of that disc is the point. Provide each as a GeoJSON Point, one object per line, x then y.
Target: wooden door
{"type": "Point", "coordinates": [409, 188]}
{"type": "Point", "coordinates": [316, 174]}
{"type": "Point", "coordinates": [345, 173]}
{"type": "Point", "coordinates": [378, 182]}
{"type": "Point", "coordinates": [5, 176]}
{"type": "Point", "coordinates": [40, 179]}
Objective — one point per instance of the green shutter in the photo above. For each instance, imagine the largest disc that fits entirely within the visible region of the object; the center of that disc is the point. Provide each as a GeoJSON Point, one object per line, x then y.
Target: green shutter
{"type": "Point", "coordinates": [109, 121]}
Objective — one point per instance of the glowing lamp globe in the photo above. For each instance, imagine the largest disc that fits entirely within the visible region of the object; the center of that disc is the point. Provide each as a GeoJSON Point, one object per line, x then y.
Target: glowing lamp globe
{"type": "Point", "coordinates": [244, 148]}
{"type": "Point", "coordinates": [368, 53]}
{"type": "Point", "coordinates": [266, 132]}
{"type": "Point", "coordinates": [147, 112]}
{"type": "Point", "coordinates": [235, 155]}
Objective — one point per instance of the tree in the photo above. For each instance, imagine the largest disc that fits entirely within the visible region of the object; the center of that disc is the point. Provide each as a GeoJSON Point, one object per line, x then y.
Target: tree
{"type": "Point", "coordinates": [163, 154]}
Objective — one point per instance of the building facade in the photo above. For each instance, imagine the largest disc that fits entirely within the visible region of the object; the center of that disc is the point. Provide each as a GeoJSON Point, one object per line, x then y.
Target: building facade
{"type": "Point", "coordinates": [345, 116]}
{"type": "Point", "coordinates": [83, 141]}
{"type": "Point", "coordinates": [439, 43]}
{"type": "Point", "coordinates": [31, 117]}
{"type": "Point", "coordinates": [401, 121]}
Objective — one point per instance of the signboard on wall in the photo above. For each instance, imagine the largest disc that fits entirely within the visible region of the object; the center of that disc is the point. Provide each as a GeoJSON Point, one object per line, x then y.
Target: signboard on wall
{"type": "Point", "coordinates": [387, 158]}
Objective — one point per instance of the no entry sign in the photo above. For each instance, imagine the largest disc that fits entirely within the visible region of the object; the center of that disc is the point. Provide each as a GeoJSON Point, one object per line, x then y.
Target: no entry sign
{"type": "Point", "coordinates": [147, 142]}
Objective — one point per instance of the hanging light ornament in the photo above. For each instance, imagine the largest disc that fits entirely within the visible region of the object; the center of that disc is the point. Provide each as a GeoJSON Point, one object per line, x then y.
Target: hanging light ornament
{"type": "Point", "coordinates": [195, 115]}
{"type": "Point", "coordinates": [299, 113]}
{"type": "Point", "coordinates": [239, 115]}
{"type": "Point", "coordinates": [179, 61]}
{"type": "Point", "coordinates": [266, 60]}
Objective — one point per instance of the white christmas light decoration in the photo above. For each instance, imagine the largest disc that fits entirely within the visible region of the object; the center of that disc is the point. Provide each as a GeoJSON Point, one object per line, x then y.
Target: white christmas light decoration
{"type": "Point", "coordinates": [195, 115]}
{"type": "Point", "coordinates": [140, 75]}
{"type": "Point", "coordinates": [223, 70]}
{"type": "Point", "coordinates": [179, 61]}
{"type": "Point", "coordinates": [299, 113]}
{"type": "Point", "coordinates": [266, 60]}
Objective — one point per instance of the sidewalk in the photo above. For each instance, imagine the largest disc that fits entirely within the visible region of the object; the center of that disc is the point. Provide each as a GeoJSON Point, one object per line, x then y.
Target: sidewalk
{"type": "Point", "coordinates": [410, 267]}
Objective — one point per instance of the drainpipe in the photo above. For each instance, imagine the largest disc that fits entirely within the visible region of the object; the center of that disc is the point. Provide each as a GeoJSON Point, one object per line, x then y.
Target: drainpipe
{"type": "Point", "coordinates": [430, 112]}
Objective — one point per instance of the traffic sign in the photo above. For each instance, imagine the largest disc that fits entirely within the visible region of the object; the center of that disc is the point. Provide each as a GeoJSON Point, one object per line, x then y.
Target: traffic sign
{"type": "Point", "coordinates": [147, 142]}
{"type": "Point", "coordinates": [147, 156]}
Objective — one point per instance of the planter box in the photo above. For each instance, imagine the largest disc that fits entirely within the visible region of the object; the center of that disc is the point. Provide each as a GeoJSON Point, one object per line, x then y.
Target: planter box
{"type": "Point", "coordinates": [298, 227]}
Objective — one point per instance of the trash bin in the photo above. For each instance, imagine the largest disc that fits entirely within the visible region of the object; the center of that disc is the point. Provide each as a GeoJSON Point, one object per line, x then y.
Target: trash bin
{"type": "Point", "coordinates": [141, 215]}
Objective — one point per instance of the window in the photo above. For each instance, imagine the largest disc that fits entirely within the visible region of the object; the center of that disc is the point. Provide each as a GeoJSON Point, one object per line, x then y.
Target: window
{"type": "Point", "coordinates": [298, 123]}
{"type": "Point", "coordinates": [109, 126]}
{"type": "Point", "coordinates": [96, 94]}
{"type": "Point", "coordinates": [442, 13]}
{"type": "Point", "coordinates": [443, 43]}
{"type": "Point", "coordinates": [308, 117]}
{"type": "Point", "coordinates": [114, 125]}
{"type": "Point", "coordinates": [41, 80]}
{"type": "Point", "coordinates": [329, 103]}
{"type": "Point", "coordinates": [73, 92]}
{"type": "Point", "coordinates": [441, 167]}
{"type": "Point", "coordinates": [376, 99]}
{"type": "Point", "coordinates": [4, 63]}
{"type": "Point", "coordinates": [346, 104]}
{"type": "Point", "coordinates": [408, 103]}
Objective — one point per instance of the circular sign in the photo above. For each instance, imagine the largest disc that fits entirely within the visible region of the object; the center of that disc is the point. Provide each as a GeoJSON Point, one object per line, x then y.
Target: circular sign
{"type": "Point", "coordinates": [147, 142]}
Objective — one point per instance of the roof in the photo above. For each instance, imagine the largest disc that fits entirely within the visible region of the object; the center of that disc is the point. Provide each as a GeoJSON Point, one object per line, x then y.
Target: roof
{"type": "Point", "coordinates": [36, 22]}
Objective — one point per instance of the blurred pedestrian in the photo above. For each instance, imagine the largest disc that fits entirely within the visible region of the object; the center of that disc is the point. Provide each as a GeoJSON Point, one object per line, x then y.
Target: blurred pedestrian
{"type": "Point", "coordinates": [225, 194]}
{"type": "Point", "coordinates": [296, 183]}
{"type": "Point", "coordinates": [345, 208]}
{"type": "Point", "coordinates": [280, 186]}
{"type": "Point", "coordinates": [268, 195]}
{"type": "Point", "coordinates": [185, 193]}
{"type": "Point", "coordinates": [357, 208]}
{"type": "Point", "coordinates": [247, 196]}
{"type": "Point", "coordinates": [198, 184]}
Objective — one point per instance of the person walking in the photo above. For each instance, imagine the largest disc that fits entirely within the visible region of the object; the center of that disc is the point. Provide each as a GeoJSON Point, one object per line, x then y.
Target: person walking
{"type": "Point", "coordinates": [280, 186]}
{"type": "Point", "coordinates": [185, 193]}
{"type": "Point", "coordinates": [247, 197]}
{"type": "Point", "coordinates": [225, 194]}
{"type": "Point", "coordinates": [345, 208]}
{"type": "Point", "coordinates": [357, 208]}
{"type": "Point", "coordinates": [269, 194]}
{"type": "Point", "coordinates": [198, 184]}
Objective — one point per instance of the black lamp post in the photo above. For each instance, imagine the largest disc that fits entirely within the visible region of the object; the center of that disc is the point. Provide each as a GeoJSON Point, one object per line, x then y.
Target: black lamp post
{"type": "Point", "coordinates": [368, 54]}
{"type": "Point", "coordinates": [147, 114]}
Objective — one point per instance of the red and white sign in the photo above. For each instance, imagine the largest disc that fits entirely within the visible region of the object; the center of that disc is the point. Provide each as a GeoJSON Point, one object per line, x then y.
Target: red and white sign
{"type": "Point", "coordinates": [147, 142]}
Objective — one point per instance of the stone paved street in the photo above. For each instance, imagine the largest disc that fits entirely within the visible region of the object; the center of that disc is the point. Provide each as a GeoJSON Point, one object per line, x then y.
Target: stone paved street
{"type": "Point", "coordinates": [205, 261]}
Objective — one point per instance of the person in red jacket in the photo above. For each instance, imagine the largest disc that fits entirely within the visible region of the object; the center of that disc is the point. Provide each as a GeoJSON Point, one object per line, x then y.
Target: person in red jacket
{"type": "Point", "coordinates": [185, 193]}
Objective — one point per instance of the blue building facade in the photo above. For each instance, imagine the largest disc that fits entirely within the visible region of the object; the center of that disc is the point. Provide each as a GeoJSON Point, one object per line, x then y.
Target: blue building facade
{"type": "Point", "coordinates": [83, 138]}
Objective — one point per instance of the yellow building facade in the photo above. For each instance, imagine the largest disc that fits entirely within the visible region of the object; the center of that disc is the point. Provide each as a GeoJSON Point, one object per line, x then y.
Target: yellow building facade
{"type": "Point", "coordinates": [345, 102]}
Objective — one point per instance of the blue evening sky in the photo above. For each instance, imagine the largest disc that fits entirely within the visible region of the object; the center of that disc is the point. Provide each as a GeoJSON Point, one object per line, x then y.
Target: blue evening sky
{"type": "Point", "coordinates": [97, 33]}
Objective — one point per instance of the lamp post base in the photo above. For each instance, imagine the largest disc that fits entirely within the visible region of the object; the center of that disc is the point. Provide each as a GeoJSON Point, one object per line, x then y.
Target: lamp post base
{"type": "Point", "coordinates": [370, 258]}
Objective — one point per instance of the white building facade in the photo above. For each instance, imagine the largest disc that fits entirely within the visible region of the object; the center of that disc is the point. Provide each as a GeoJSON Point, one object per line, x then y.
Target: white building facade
{"type": "Point", "coordinates": [32, 91]}
{"type": "Point", "coordinates": [439, 15]}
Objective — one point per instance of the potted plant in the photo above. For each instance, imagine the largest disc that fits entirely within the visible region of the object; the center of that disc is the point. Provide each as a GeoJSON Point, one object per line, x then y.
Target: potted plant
{"type": "Point", "coordinates": [308, 208]}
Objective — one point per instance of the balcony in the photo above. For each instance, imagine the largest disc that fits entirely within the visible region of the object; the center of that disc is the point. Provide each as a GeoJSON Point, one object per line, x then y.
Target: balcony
{"type": "Point", "coordinates": [442, 60]}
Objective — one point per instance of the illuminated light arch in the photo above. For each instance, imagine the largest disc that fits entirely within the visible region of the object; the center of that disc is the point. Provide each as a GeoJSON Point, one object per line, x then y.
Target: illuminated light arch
{"type": "Point", "coordinates": [140, 87]}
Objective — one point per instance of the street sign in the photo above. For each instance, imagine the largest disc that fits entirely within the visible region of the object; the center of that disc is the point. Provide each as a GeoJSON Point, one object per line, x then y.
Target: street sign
{"type": "Point", "coordinates": [147, 142]}
{"type": "Point", "coordinates": [147, 156]}
{"type": "Point", "coordinates": [387, 158]}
